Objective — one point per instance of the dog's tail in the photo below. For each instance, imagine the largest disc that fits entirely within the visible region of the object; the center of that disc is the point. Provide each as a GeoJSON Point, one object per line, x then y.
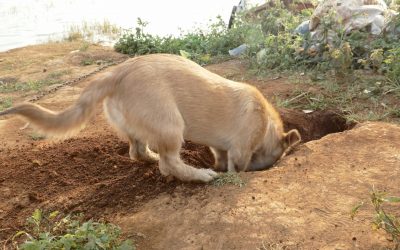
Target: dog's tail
{"type": "Point", "coordinates": [73, 119]}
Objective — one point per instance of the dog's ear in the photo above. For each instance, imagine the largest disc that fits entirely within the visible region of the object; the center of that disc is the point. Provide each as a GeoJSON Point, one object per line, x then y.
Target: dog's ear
{"type": "Point", "coordinates": [292, 138]}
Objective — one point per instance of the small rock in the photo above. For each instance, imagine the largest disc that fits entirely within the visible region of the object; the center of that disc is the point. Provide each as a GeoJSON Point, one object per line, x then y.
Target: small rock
{"type": "Point", "coordinates": [36, 163]}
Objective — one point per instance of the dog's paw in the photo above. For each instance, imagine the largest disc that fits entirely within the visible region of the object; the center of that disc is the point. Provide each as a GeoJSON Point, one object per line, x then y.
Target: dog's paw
{"type": "Point", "coordinates": [163, 170]}
{"type": "Point", "coordinates": [205, 175]}
{"type": "Point", "coordinates": [152, 157]}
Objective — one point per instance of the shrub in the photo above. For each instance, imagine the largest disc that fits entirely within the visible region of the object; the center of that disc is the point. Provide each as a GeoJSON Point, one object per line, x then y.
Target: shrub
{"type": "Point", "coordinates": [198, 44]}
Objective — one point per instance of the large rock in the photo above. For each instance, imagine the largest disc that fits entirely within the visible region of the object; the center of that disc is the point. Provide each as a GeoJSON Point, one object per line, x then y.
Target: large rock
{"type": "Point", "coordinates": [303, 203]}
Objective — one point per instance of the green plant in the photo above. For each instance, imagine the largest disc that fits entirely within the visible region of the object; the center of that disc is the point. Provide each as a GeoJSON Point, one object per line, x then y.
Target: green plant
{"type": "Point", "coordinates": [88, 31]}
{"type": "Point", "coordinates": [37, 137]}
{"type": "Point", "coordinates": [392, 65]}
{"type": "Point", "coordinates": [85, 46]}
{"type": "Point", "coordinates": [34, 85]}
{"type": "Point", "coordinates": [382, 219]}
{"type": "Point", "coordinates": [53, 231]}
{"type": "Point", "coordinates": [5, 103]}
{"type": "Point", "coordinates": [199, 45]}
{"type": "Point", "coordinates": [228, 178]}
{"type": "Point", "coordinates": [87, 61]}
{"type": "Point", "coordinates": [333, 50]}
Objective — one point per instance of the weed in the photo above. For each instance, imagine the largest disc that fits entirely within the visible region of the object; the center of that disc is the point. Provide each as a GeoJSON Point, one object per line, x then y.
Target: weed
{"type": "Point", "coordinates": [53, 231]}
{"type": "Point", "coordinates": [84, 47]}
{"type": "Point", "coordinates": [228, 178]}
{"type": "Point", "coordinates": [58, 74]}
{"type": "Point", "coordinates": [89, 31]}
{"type": "Point", "coordinates": [274, 246]}
{"type": "Point", "coordinates": [33, 85]}
{"type": "Point", "coordinates": [5, 103]}
{"type": "Point", "coordinates": [382, 219]}
{"type": "Point", "coordinates": [37, 137]}
{"type": "Point", "coordinates": [88, 61]}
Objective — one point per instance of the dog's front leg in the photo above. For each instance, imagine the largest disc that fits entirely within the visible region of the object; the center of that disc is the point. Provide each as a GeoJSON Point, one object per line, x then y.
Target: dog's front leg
{"type": "Point", "coordinates": [221, 159]}
{"type": "Point", "coordinates": [171, 164]}
{"type": "Point", "coordinates": [238, 160]}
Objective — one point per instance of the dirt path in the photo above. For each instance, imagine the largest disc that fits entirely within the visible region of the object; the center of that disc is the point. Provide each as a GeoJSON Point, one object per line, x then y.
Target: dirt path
{"type": "Point", "coordinates": [303, 203]}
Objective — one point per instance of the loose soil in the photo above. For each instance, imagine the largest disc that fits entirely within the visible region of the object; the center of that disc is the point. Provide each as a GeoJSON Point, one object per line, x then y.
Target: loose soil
{"type": "Point", "coordinates": [303, 203]}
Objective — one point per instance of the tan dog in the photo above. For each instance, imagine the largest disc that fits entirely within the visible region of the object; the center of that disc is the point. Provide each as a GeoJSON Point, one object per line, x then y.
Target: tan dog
{"type": "Point", "coordinates": [160, 100]}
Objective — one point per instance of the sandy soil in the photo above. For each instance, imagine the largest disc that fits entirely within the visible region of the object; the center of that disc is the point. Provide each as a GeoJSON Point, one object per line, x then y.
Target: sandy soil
{"type": "Point", "coordinates": [302, 203]}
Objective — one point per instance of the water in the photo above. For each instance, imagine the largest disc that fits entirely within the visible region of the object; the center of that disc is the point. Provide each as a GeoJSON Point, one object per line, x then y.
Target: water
{"type": "Point", "coordinates": [26, 22]}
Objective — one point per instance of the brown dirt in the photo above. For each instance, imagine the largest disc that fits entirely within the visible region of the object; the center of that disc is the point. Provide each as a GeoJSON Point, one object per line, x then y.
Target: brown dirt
{"type": "Point", "coordinates": [303, 203]}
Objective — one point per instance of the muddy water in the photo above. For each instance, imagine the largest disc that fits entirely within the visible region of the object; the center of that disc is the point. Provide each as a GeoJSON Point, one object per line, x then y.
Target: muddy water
{"type": "Point", "coordinates": [25, 22]}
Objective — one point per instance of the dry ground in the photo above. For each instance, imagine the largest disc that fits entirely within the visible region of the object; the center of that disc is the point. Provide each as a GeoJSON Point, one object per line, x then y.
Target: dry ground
{"type": "Point", "coordinates": [302, 203]}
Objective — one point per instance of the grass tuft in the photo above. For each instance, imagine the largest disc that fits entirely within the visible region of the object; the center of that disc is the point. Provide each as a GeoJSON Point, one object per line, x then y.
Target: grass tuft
{"type": "Point", "coordinates": [228, 179]}
{"type": "Point", "coordinates": [5, 103]}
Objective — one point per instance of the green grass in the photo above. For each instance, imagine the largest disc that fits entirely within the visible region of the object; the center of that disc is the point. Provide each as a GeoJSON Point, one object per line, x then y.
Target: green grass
{"type": "Point", "coordinates": [36, 136]}
{"type": "Point", "coordinates": [26, 86]}
{"type": "Point", "coordinates": [88, 31]}
{"type": "Point", "coordinates": [33, 85]}
{"type": "Point", "coordinates": [88, 61]}
{"type": "Point", "coordinates": [54, 231]}
{"type": "Point", "coordinates": [228, 179]}
{"type": "Point", "coordinates": [5, 103]}
{"type": "Point", "coordinates": [58, 74]}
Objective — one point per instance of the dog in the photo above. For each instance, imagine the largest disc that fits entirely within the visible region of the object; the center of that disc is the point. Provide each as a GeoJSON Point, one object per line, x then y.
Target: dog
{"type": "Point", "coordinates": [157, 101]}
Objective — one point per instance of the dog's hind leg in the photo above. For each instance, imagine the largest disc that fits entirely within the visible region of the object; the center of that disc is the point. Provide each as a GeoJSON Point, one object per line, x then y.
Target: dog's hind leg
{"type": "Point", "coordinates": [140, 151]}
{"type": "Point", "coordinates": [137, 149]}
{"type": "Point", "coordinates": [221, 159]}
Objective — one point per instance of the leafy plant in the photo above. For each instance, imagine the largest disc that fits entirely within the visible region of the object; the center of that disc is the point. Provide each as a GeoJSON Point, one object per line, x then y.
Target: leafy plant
{"type": "Point", "coordinates": [54, 231]}
{"type": "Point", "coordinates": [198, 44]}
{"type": "Point", "coordinates": [382, 219]}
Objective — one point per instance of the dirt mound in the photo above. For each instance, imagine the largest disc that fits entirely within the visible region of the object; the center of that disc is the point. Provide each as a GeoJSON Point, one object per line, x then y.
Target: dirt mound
{"type": "Point", "coordinates": [82, 175]}
{"type": "Point", "coordinates": [303, 203]}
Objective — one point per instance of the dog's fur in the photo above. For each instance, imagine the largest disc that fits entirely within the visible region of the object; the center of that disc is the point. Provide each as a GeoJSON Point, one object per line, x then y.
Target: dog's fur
{"type": "Point", "coordinates": [160, 100]}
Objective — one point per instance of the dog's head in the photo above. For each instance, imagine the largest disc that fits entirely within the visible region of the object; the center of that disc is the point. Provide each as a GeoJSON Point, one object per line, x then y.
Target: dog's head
{"type": "Point", "coordinates": [272, 150]}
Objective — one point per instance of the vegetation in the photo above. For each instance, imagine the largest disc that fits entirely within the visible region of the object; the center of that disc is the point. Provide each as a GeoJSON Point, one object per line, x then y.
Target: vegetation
{"type": "Point", "coordinates": [198, 45]}
{"type": "Point", "coordinates": [53, 231]}
{"type": "Point", "coordinates": [5, 103]}
{"type": "Point", "coordinates": [33, 85]}
{"type": "Point", "coordinates": [91, 31]}
{"type": "Point", "coordinates": [36, 136]}
{"type": "Point", "coordinates": [382, 219]}
{"type": "Point", "coordinates": [357, 73]}
{"type": "Point", "coordinates": [228, 178]}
